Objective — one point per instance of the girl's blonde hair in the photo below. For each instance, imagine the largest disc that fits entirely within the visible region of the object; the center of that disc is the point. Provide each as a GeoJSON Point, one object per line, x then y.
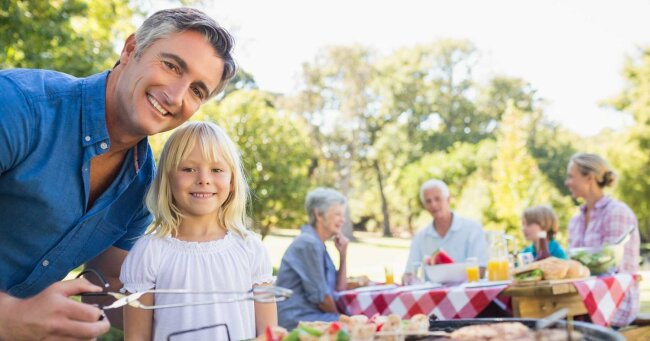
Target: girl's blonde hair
{"type": "Point", "coordinates": [543, 216]}
{"type": "Point", "coordinates": [214, 144]}
{"type": "Point", "coordinates": [596, 165]}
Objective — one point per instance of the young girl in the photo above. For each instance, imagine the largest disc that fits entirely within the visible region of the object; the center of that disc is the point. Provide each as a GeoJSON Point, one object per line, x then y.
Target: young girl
{"type": "Point", "coordinates": [198, 242]}
{"type": "Point", "coordinates": [541, 218]}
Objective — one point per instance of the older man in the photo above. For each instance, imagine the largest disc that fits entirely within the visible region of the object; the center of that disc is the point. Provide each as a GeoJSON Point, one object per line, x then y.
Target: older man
{"type": "Point", "coordinates": [459, 237]}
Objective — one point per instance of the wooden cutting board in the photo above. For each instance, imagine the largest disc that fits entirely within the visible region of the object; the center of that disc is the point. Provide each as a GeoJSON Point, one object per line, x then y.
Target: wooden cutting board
{"type": "Point", "coordinates": [549, 282]}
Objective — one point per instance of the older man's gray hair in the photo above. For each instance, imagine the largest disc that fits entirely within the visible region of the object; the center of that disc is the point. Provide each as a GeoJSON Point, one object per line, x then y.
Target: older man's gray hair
{"type": "Point", "coordinates": [434, 183]}
{"type": "Point", "coordinates": [322, 199]}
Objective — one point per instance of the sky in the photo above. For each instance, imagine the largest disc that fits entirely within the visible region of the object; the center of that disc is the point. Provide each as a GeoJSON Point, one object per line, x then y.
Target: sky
{"type": "Point", "coordinates": [572, 52]}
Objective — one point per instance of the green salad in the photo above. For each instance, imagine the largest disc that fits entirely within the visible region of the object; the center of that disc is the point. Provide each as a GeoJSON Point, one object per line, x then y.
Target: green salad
{"type": "Point", "coordinates": [598, 261]}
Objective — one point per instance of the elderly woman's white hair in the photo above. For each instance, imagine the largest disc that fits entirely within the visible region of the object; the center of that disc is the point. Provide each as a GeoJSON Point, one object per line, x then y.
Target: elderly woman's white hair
{"type": "Point", "coordinates": [322, 199]}
{"type": "Point", "coordinates": [434, 183]}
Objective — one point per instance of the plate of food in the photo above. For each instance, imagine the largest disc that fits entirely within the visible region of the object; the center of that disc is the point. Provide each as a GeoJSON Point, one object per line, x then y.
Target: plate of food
{"type": "Point", "coordinates": [550, 270]}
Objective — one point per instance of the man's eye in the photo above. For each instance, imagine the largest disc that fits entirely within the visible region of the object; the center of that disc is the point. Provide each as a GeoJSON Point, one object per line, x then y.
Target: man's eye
{"type": "Point", "coordinates": [197, 92]}
{"type": "Point", "coordinates": [171, 66]}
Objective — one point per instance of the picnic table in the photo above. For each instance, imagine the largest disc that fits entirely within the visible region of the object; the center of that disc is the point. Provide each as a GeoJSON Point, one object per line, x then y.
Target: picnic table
{"type": "Point", "coordinates": [445, 302]}
{"type": "Point", "coordinates": [599, 297]}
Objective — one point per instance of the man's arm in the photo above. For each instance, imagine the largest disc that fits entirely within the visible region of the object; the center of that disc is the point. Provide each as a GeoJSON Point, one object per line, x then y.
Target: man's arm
{"type": "Point", "coordinates": [109, 263]}
{"type": "Point", "coordinates": [52, 313]}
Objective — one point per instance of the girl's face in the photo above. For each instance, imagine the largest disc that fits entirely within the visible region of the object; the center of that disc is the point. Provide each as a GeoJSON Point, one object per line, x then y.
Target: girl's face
{"type": "Point", "coordinates": [200, 187]}
{"type": "Point", "coordinates": [579, 185]}
{"type": "Point", "coordinates": [530, 230]}
{"type": "Point", "coordinates": [332, 220]}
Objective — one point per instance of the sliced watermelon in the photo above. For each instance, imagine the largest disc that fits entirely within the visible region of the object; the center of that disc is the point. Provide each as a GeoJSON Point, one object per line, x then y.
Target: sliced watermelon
{"type": "Point", "coordinates": [441, 257]}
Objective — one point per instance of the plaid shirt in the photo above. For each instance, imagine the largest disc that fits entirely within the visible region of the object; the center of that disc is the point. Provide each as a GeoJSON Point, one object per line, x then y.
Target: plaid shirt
{"type": "Point", "coordinates": [608, 220]}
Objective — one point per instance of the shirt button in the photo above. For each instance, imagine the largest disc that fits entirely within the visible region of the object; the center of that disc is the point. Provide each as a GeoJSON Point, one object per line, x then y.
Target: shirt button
{"type": "Point", "coordinates": [46, 262]}
{"type": "Point", "coordinates": [103, 145]}
{"type": "Point", "coordinates": [87, 138]}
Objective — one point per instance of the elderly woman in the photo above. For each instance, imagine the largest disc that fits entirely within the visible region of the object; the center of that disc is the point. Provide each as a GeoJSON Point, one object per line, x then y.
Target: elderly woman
{"type": "Point", "coordinates": [603, 219]}
{"type": "Point", "coordinates": [307, 268]}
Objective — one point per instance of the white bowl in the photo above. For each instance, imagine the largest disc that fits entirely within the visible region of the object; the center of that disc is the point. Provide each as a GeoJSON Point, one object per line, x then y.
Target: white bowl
{"type": "Point", "coordinates": [445, 273]}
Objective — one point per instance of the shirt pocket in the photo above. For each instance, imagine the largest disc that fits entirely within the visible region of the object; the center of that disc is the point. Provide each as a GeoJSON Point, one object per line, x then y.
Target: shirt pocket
{"type": "Point", "coordinates": [101, 234]}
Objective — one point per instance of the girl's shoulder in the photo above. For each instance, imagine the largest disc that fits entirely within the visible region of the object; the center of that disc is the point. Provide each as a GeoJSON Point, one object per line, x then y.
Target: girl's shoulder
{"type": "Point", "coordinates": [147, 244]}
{"type": "Point", "coordinates": [247, 239]}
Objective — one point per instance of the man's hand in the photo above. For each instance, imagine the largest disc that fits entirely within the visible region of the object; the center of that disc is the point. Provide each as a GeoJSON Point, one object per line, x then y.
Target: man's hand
{"type": "Point", "coordinates": [52, 314]}
{"type": "Point", "coordinates": [341, 243]}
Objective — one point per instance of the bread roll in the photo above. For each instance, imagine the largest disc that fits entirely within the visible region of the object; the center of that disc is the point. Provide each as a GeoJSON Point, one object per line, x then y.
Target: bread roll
{"type": "Point", "coordinates": [576, 270]}
{"type": "Point", "coordinates": [554, 268]}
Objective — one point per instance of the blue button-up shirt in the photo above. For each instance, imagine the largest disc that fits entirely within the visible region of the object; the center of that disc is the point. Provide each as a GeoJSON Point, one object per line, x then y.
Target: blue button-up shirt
{"type": "Point", "coordinates": [308, 270]}
{"type": "Point", "coordinates": [51, 126]}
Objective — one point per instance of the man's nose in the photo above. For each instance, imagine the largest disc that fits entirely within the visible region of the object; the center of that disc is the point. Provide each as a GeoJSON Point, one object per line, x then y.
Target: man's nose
{"type": "Point", "coordinates": [175, 92]}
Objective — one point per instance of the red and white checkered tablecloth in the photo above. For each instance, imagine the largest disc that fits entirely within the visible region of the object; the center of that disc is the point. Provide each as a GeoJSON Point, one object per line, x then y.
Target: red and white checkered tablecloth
{"type": "Point", "coordinates": [603, 295]}
{"type": "Point", "coordinates": [445, 302]}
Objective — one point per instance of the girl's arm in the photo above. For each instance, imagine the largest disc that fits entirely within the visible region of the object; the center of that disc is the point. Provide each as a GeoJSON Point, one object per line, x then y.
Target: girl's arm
{"type": "Point", "coordinates": [139, 322]}
{"type": "Point", "coordinates": [266, 314]}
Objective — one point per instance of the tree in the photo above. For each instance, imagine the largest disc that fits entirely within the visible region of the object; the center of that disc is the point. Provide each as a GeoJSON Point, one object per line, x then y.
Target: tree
{"type": "Point", "coordinates": [337, 103]}
{"type": "Point", "coordinates": [630, 155]}
{"type": "Point", "coordinates": [276, 155]}
{"type": "Point", "coordinates": [516, 181]}
{"type": "Point", "coordinates": [72, 36]}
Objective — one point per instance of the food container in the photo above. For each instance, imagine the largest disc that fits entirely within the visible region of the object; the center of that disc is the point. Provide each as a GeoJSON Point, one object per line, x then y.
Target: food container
{"type": "Point", "coordinates": [589, 331]}
{"type": "Point", "coordinates": [600, 260]}
{"type": "Point", "coordinates": [446, 273]}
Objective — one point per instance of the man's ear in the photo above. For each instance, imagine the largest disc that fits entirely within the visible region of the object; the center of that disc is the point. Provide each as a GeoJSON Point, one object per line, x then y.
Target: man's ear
{"type": "Point", "coordinates": [128, 51]}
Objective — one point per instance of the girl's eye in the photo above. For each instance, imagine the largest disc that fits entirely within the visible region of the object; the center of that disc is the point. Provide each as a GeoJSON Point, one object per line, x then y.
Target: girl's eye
{"type": "Point", "coordinates": [187, 169]}
{"type": "Point", "coordinates": [217, 170]}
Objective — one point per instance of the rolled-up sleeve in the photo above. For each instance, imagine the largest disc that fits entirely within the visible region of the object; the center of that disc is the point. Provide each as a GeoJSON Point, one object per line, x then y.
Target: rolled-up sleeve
{"type": "Point", "coordinates": [307, 261]}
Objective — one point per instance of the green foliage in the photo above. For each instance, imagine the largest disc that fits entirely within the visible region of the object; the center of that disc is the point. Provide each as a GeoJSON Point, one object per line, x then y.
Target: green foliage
{"type": "Point", "coordinates": [276, 155]}
{"type": "Point", "coordinates": [72, 36]}
{"type": "Point", "coordinates": [630, 154]}
{"type": "Point", "coordinates": [552, 148]}
{"type": "Point", "coordinates": [516, 181]}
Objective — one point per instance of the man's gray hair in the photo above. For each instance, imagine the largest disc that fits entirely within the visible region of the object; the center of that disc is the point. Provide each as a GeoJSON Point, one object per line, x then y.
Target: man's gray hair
{"type": "Point", "coordinates": [434, 183]}
{"type": "Point", "coordinates": [322, 199]}
{"type": "Point", "coordinates": [169, 21]}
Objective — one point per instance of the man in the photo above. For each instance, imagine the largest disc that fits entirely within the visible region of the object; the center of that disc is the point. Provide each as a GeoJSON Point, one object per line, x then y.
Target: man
{"type": "Point", "coordinates": [75, 166]}
{"type": "Point", "coordinates": [459, 237]}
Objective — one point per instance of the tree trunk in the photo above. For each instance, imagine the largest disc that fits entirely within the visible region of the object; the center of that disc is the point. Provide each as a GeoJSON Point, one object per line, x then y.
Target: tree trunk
{"type": "Point", "coordinates": [384, 203]}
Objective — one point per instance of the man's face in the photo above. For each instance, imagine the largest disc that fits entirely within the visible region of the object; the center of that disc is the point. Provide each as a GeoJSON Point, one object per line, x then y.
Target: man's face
{"type": "Point", "coordinates": [435, 202]}
{"type": "Point", "coordinates": [166, 84]}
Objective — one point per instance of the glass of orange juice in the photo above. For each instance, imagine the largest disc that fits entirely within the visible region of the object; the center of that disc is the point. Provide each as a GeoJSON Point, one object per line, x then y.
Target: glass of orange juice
{"type": "Point", "coordinates": [471, 268]}
{"type": "Point", "coordinates": [388, 271]}
{"type": "Point", "coordinates": [493, 266]}
{"type": "Point", "coordinates": [503, 270]}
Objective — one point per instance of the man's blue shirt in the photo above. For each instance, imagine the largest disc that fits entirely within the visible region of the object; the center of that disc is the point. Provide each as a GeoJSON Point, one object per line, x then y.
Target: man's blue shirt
{"type": "Point", "coordinates": [308, 270]}
{"type": "Point", "coordinates": [51, 126]}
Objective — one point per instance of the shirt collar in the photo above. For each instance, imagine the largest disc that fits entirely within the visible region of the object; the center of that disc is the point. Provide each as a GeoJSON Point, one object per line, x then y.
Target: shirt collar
{"type": "Point", "coordinates": [600, 204]}
{"type": "Point", "coordinates": [93, 109]}
{"type": "Point", "coordinates": [455, 226]}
